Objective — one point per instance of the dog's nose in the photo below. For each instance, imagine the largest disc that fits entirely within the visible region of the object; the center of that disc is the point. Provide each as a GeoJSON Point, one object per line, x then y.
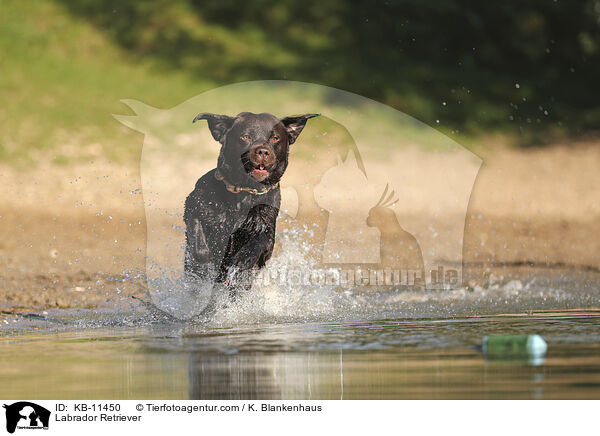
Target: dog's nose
{"type": "Point", "coordinates": [262, 152]}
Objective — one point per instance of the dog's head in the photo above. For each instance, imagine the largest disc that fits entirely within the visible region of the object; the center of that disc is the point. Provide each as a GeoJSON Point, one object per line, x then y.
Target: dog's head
{"type": "Point", "coordinates": [254, 147]}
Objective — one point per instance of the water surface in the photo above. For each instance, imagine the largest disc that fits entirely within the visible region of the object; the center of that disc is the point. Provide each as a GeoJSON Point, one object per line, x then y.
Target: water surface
{"type": "Point", "coordinates": [112, 354]}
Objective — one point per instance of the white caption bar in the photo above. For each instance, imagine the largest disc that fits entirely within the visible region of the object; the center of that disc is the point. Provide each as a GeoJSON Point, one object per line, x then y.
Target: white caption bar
{"type": "Point", "coordinates": [23, 417]}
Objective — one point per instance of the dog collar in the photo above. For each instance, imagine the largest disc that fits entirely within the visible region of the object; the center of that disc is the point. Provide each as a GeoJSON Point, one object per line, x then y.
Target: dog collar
{"type": "Point", "coordinates": [237, 189]}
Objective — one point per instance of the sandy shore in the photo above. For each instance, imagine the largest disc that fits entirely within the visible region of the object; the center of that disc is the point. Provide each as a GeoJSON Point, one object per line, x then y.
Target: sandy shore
{"type": "Point", "coordinates": [75, 236]}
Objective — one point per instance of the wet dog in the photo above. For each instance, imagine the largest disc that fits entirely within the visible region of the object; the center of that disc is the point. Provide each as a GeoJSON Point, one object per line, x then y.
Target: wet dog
{"type": "Point", "coordinates": [231, 214]}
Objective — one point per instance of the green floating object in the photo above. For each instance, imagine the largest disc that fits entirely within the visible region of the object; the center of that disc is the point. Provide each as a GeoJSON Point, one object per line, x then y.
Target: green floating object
{"type": "Point", "coordinates": [506, 346]}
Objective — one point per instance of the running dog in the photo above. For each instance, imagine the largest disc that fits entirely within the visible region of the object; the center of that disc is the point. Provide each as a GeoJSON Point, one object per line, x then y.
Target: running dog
{"type": "Point", "coordinates": [231, 214]}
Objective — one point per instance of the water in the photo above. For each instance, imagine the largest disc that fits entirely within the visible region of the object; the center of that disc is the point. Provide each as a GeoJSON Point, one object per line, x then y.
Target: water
{"type": "Point", "coordinates": [285, 340]}
{"type": "Point", "coordinates": [129, 353]}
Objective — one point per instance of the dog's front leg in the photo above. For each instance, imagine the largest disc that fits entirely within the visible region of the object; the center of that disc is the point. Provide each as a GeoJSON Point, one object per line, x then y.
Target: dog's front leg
{"type": "Point", "coordinates": [197, 254]}
{"type": "Point", "coordinates": [240, 264]}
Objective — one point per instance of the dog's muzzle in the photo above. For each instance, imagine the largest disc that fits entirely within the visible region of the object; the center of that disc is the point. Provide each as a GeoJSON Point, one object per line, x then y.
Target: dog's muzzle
{"type": "Point", "coordinates": [262, 160]}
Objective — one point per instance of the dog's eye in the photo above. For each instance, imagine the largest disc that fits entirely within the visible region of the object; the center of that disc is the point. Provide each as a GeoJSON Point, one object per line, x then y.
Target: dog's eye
{"type": "Point", "coordinates": [245, 137]}
{"type": "Point", "coordinates": [274, 138]}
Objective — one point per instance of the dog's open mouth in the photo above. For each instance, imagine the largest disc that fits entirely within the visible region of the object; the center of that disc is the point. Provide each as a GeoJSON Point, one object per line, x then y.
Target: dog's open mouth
{"type": "Point", "coordinates": [259, 173]}
{"type": "Point", "coordinates": [257, 168]}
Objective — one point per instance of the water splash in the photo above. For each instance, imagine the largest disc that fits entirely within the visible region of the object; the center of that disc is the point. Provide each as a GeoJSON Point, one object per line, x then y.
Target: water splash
{"type": "Point", "coordinates": [278, 298]}
{"type": "Point", "coordinates": [282, 294]}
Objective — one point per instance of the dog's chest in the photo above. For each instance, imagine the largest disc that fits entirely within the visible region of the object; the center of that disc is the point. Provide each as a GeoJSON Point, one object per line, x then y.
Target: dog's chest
{"type": "Point", "coordinates": [230, 215]}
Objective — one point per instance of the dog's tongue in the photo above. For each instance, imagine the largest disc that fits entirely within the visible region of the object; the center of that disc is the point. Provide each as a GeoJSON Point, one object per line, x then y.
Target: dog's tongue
{"type": "Point", "coordinates": [260, 171]}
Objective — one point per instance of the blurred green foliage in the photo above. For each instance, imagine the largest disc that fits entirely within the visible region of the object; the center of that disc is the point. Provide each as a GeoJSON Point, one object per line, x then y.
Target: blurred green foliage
{"type": "Point", "coordinates": [528, 69]}
{"type": "Point", "coordinates": [535, 60]}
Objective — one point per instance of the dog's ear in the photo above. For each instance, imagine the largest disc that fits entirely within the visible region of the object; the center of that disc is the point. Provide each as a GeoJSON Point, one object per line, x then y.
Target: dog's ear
{"type": "Point", "coordinates": [218, 124]}
{"type": "Point", "coordinates": [294, 125]}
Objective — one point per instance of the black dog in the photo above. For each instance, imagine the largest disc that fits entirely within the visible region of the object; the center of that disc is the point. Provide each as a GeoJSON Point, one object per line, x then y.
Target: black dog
{"type": "Point", "coordinates": [231, 215]}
